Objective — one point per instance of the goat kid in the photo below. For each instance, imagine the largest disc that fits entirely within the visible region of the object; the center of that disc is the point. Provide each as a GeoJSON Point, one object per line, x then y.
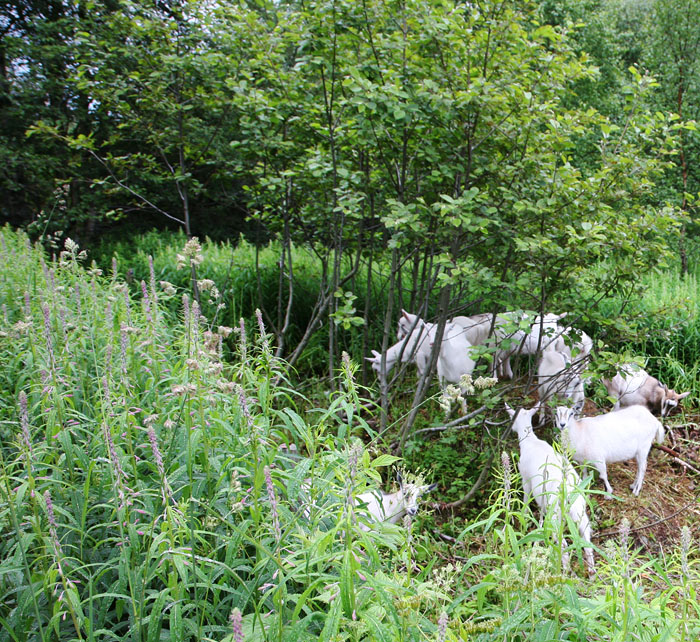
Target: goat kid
{"type": "Point", "coordinates": [391, 507]}
{"type": "Point", "coordinates": [547, 477]}
{"type": "Point", "coordinates": [412, 347]}
{"type": "Point", "coordinates": [611, 437]}
{"type": "Point", "coordinates": [634, 386]}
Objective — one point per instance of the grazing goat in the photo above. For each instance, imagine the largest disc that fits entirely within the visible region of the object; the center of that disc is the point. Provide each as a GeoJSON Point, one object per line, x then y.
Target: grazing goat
{"type": "Point", "coordinates": [461, 333]}
{"type": "Point", "coordinates": [557, 378]}
{"type": "Point", "coordinates": [633, 385]}
{"type": "Point", "coordinates": [549, 478]}
{"type": "Point", "coordinates": [454, 360]}
{"type": "Point", "coordinates": [413, 346]}
{"type": "Point", "coordinates": [503, 332]}
{"type": "Point", "coordinates": [614, 436]}
{"type": "Point", "coordinates": [391, 507]}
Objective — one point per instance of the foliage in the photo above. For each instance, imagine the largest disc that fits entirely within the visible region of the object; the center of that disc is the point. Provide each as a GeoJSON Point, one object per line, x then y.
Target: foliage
{"type": "Point", "coordinates": [143, 493]}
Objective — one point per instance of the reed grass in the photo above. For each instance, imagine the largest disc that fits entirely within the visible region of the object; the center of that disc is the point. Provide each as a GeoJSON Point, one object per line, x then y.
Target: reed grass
{"type": "Point", "coordinates": [144, 494]}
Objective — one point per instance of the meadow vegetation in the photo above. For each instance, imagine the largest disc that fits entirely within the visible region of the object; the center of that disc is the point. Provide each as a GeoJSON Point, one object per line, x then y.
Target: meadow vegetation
{"type": "Point", "coordinates": [148, 490]}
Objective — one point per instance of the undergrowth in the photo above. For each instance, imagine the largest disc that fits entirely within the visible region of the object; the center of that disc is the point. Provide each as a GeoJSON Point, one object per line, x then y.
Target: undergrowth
{"type": "Point", "coordinates": [149, 490]}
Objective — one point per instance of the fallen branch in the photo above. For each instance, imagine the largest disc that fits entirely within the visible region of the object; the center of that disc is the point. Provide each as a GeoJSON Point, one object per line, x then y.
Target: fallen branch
{"type": "Point", "coordinates": [472, 491]}
{"type": "Point", "coordinates": [677, 458]}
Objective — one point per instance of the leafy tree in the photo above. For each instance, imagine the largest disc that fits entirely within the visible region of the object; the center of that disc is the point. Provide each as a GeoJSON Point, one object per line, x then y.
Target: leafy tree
{"type": "Point", "coordinates": [43, 180]}
{"type": "Point", "coordinates": [674, 54]}
{"type": "Point", "coordinates": [457, 127]}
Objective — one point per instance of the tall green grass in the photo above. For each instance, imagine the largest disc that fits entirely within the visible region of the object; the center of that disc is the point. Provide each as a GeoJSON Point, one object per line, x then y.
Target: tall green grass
{"type": "Point", "coordinates": [661, 324]}
{"type": "Point", "coordinates": [249, 279]}
{"type": "Point", "coordinates": [144, 495]}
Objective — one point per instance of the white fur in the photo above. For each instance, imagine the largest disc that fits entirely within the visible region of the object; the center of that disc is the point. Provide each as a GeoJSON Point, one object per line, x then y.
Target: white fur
{"type": "Point", "coordinates": [413, 346]}
{"type": "Point", "coordinates": [548, 477]}
{"type": "Point", "coordinates": [543, 332]}
{"type": "Point", "coordinates": [454, 360]}
{"type": "Point", "coordinates": [611, 437]}
{"type": "Point", "coordinates": [557, 378]}
{"type": "Point", "coordinates": [391, 507]}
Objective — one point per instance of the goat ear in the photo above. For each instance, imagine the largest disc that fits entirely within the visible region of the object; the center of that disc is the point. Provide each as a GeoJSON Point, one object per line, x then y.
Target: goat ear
{"type": "Point", "coordinates": [376, 354]}
{"type": "Point", "coordinates": [510, 411]}
{"type": "Point", "coordinates": [405, 315]}
{"type": "Point", "coordinates": [427, 489]}
{"type": "Point", "coordinates": [683, 395]}
{"type": "Point", "coordinates": [561, 316]}
{"type": "Point", "coordinates": [399, 478]}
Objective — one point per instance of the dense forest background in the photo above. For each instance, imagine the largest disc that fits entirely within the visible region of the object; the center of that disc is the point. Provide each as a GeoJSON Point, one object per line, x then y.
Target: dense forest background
{"type": "Point", "coordinates": [464, 147]}
{"type": "Point", "coordinates": [228, 119]}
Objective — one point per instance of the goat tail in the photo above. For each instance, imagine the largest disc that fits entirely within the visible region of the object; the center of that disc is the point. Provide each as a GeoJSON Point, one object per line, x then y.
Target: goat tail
{"type": "Point", "coordinates": [660, 434]}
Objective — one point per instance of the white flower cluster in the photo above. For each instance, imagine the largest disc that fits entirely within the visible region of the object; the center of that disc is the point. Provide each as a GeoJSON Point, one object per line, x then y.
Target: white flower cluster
{"type": "Point", "coordinates": [467, 386]}
{"type": "Point", "coordinates": [168, 288]}
{"type": "Point", "coordinates": [449, 395]}
{"type": "Point", "coordinates": [71, 252]}
{"type": "Point", "coordinates": [191, 254]}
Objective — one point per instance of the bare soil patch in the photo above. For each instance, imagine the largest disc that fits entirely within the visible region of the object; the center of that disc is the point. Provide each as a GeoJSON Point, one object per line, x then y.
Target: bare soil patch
{"type": "Point", "coordinates": [670, 497]}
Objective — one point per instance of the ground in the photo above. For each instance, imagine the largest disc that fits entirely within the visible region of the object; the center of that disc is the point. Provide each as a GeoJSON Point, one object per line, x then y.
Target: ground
{"type": "Point", "coordinates": [669, 498]}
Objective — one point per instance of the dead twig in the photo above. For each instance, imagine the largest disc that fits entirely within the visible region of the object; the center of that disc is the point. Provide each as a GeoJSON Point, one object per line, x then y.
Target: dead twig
{"type": "Point", "coordinates": [472, 491]}
{"type": "Point", "coordinates": [677, 458]}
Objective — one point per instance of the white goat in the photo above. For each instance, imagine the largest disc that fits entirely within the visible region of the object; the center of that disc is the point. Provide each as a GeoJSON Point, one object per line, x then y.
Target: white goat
{"type": "Point", "coordinates": [413, 346]}
{"type": "Point", "coordinates": [454, 360]}
{"type": "Point", "coordinates": [391, 507]}
{"type": "Point", "coordinates": [482, 328]}
{"type": "Point", "coordinates": [611, 437]}
{"type": "Point", "coordinates": [513, 341]}
{"type": "Point", "coordinates": [461, 333]}
{"type": "Point", "coordinates": [540, 337]}
{"type": "Point", "coordinates": [557, 378]}
{"type": "Point", "coordinates": [549, 478]}
{"type": "Point", "coordinates": [633, 385]}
